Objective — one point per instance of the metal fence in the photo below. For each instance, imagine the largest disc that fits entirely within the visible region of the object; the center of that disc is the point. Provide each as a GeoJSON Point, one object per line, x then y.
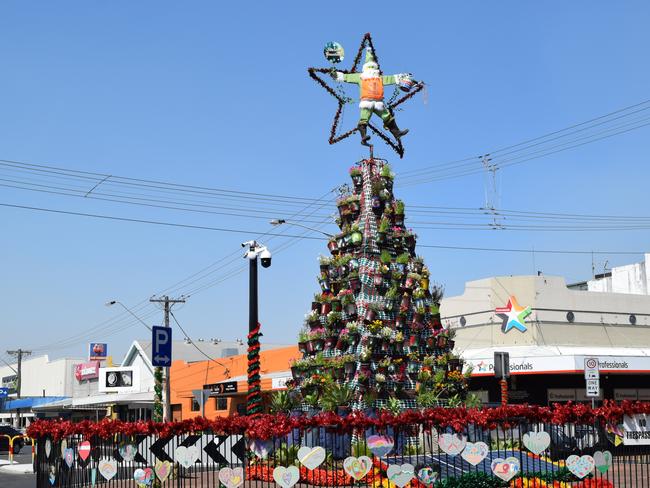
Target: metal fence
{"type": "Point", "coordinates": [407, 455]}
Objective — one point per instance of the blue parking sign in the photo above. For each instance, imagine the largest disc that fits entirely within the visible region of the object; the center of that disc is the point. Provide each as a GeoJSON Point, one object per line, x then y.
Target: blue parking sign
{"type": "Point", "coordinates": [161, 346]}
{"type": "Point", "coordinates": [4, 392]}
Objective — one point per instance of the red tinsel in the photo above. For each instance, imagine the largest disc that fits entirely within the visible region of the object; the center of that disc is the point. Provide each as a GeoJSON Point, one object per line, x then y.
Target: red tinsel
{"type": "Point", "coordinates": [267, 426]}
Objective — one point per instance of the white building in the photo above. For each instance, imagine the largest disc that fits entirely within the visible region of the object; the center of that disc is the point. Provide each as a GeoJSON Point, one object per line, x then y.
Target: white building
{"type": "Point", "coordinates": [630, 278]}
{"type": "Point", "coordinates": [548, 333]}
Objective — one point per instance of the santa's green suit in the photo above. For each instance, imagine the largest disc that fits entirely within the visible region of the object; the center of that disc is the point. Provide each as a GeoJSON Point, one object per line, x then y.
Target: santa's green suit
{"type": "Point", "coordinates": [371, 87]}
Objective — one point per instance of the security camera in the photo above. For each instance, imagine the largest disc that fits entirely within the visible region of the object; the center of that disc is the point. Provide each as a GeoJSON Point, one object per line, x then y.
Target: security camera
{"type": "Point", "coordinates": [265, 258]}
{"type": "Point", "coordinates": [248, 243]}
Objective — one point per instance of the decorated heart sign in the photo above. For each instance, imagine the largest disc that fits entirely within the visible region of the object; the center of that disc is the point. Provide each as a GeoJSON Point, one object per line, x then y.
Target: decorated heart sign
{"type": "Point", "coordinates": [400, 475]}
{"type": "Point", "coordinates": [507, 468]}
{"type": "Point", "coordinates": [162, 469]}
{"type": "Point", "coordinates": [64, 446]}
{"type": "Point", "coordinates": [310, 457]}
{"type": "Point", "coordinates": [452, 444]}
{"type": "Point", "coordinates": [143, 477]}
{"type": "Point", "coordinates": [231, 478]}
{"type": "Point", "coordinates": [427, 476]}
{"type": "Point", "coordinates": [48, 448]}
{"type": "Point", "coordinates": [52, 475]}
{"type": "Point", "coordinates": [286, 477]}
{"type": "Point", "coordinates": [128, 452]}
{"type": "Point", "coordinates": [107, 468]}
{"type": "Point", "coordinates": [260, 448]}
{"type": "Point", "coordinates": [603, 460]}
{"type": "Point", "coordinates": [380, 445]}
{"type": "Point", "coordinates": [357, 467]}
{"type": "Point", "coordinates": [68, 457]}
{"type": "Point", "coordinates": [537, 442]}
{"type": "Point", "coordinates": [186, 456]}
{"type": "Point", "coordinates": [475, 452]}
{"type": "Point", "coordinates": [580, 466]}
{"type": "Point", "coordinates": [84, 450]}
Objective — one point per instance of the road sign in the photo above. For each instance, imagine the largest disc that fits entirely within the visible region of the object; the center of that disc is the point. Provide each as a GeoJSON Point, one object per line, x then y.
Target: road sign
{"type": "Point", "coordinates": [161, 346]}
{"type": "Point", "coordinates": [593, 388]}
{"type": "Point", "coordinates": [501, 365]}
{"type": "Point", "coordinates": [4, 392]}
{"type": "Point", "coordinates": [591, 369]}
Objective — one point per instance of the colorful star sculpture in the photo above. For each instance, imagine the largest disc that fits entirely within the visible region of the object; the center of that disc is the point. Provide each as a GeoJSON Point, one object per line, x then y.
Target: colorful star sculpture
{"type": "Point", "coordinates": [513, 315]}
{"type": "Point", "coordinates": [316, 73]}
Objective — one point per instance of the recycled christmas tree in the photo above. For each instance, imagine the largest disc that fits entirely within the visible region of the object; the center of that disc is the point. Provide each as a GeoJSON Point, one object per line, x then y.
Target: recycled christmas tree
{"type": "Point", "coordinates": [373, 337]}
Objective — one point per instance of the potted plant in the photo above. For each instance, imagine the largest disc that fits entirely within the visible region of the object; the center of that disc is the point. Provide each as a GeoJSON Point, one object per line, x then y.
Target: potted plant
{"type": "Point", "coordinates": [349, 364]}
{"type": "Point", "coordinates": [336, 398]}
{"type": "Point", "coordinates": [382, 230]}
{"type": "Point", "coordinates": [334, 318]}
{"type": "Point", "coordinates": [387, 177]}
{"type": "Point", "coordinates": [405, 303]}
{"type": "Point", "coordinates": [353, 280]}
{"type": "Point", "coordinates": [357, 176]}
{"type": "Point", "coordinates": [324, 262]}
{"type": "Point", "coordinates": [411, 280]}
{"type": "Point", "coordinates": [324, 282]}
{"type": "Point", "coordinates": [398, 218]}
{"type": "Point", "coordinates": [409, 240]}
{"type": "Point", "coordinates": [401, 261]}
{"type": "Point", "coordinates": [371, 311]}
{"type": "Point", "coordinates": [333, 245]}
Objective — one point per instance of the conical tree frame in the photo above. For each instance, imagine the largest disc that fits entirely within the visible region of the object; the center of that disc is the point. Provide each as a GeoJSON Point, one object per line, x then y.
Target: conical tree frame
{"type": "Point", "coordinates": [373, 337]}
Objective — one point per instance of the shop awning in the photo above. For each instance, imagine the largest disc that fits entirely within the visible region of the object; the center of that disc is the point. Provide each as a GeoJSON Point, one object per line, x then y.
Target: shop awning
{"type": "Point", "coordinates": [100, 402]}
{"type": "Point", "coordinates": [28, 403]}
{"type": "Point", "coordinates": [559, 359]}
{"type": "Point", "coordinates": [269, 381]}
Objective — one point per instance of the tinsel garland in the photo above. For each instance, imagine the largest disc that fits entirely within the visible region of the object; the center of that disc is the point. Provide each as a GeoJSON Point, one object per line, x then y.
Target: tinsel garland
{"type": "Point", "coordinates": [266, 426]}
{"type": "Point", "coordinates": [254, 397]}
{"type": "Point", "coordinates": [157, 402]}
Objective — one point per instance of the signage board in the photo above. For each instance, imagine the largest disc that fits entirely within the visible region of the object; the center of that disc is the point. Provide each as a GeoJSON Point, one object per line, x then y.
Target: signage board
{"type": "Point", "coordinates": [561, 395]}
{"type": "Point", "coordinates": [97, 351]}
{"type": "Point", "coordinates": [593, 388]}
{"type": "Point", "coordinates": [4, 392]}
{"type": "Point", "coordinates": [119, 380]}
{"type": "Point", "coordinates": [279, 383]}
{"type": "Point", "coordinates": [86, 371]}
{"type": "Point", "coordinates": [592, 370]}
{"type": "Point", "coordinates": [161, 339]}
{"type": "Point", "coordinates": [226, 388]}
{"type": "Point", "coordinates": [636, 430]}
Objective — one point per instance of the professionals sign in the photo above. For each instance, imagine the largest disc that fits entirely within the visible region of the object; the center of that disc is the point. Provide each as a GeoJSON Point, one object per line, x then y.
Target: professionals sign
{"type": "Point", "coordinates": [218, 389]}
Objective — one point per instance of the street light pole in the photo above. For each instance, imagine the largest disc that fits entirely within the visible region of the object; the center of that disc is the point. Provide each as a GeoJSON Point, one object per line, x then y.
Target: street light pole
{"type": "Point", "coordinates": [254, 396]}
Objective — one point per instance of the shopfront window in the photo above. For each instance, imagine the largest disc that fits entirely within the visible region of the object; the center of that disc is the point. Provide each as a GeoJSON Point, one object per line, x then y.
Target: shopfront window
{"type": "Point", "coordinates": [221, 403]}
{"type": "Point", "coordinates": [195, 405]}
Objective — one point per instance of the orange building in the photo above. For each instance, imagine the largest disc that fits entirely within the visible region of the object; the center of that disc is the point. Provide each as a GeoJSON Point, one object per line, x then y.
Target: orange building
{"type": "Point", "coordinates": [226, 378]}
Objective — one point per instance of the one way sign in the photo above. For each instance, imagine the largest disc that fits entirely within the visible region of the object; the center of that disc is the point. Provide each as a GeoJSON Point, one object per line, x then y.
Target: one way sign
{"type": "Point", "coordinates": [161, 345]}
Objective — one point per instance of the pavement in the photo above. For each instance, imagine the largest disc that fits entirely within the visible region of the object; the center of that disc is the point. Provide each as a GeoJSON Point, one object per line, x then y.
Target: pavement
{"type": "Point", "coordinates": [14, 476]}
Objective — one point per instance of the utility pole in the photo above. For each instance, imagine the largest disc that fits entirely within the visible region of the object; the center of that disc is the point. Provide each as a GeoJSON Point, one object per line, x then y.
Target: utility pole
{"type": "Point", "coordinates": [166, 392]}
{"type": "Point", "coordinates": [19, 355]}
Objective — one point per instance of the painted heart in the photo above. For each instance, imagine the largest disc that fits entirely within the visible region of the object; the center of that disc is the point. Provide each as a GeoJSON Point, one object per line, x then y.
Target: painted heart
{"type": "Point", "coordinates": [231, 478]}
{"type": "Point", "coordinates": [107, 468]}
{"type": "Point", "coordinates": [475, 452]}
{"type": "Point", "coordinates": [128, 452]}
{"type": "Point", "coordinates": [380, 445]}
{"type": "Point", "coordinates": [48, 448]}
{"type": "Point", "coordinates": [507, 468]}
{"type": "Point", "coordinates": [143, 476]}
{"type": "Point", "coordinates": [537, 442]}
{"type": "Point", "coordinates": [84, 450]}
{"type": "Point", "coordinates": [162, 469]}
{"type": "Point", "coordinates": [311, 458]}
{"type": "Point", "coordinates": [286, 477]}
{"type": "Point", "coordinates": [52, 475]}
{"type": "Point", "coordinates": [64, 446]}
{"type": "Point", "coordinates": [400, 475]}
{"type": "Point", "coordinates": [186, 456]}
{"type": "Point", "coordinates": [580, 466]}
{"type": "Point", "coordinates": [452, 444]}
{"type": "Point", "coordinates": [68, 457]}
{"type": "Point", "coordinates": [357, 467]}
{"type": "Point", "coordinates": [260, 448]}
{"type": "Point", "coordinates": [603, 460]}
{"type": "Point", "coordinates": [427, 476]}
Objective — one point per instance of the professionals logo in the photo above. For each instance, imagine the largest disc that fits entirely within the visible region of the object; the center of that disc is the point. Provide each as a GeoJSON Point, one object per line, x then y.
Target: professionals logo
{"type": "Point", "coordinates": [513, 315]}
{"type": "Point", "coordinates": [482, 366]}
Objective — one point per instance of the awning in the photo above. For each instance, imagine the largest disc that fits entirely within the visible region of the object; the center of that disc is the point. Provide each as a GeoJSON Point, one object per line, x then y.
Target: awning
{"type": "Point", "coordinates": [559, 359]}
{"type": "Point", "coordinates": [100, 402]}
{"type": "Point", "coordinates": [27, 403]}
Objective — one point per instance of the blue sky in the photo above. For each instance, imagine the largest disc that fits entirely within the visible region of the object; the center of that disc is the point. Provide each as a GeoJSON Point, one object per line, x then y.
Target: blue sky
{"type": "Point", "coordinates": [216, 94]}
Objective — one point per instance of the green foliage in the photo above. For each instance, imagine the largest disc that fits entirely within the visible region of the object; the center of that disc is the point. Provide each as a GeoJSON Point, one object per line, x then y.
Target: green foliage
{"type": "Point", "coordinates": [399, 207]}
{"type": "Point", "coordinates": [311, 399]}
{"type": "Point", "coordinates": [157, 415]}
{"type": "Point", "coordinates": [335, 396]}
{"type": "Point", "coordinates": [473, 401]}
{"type": "Point", "coordinates": [427, 399]}
{"type": "Point", "coordinates": [383, 225]}
{"type": "Point", "coordinates": [504, 444]}
{"type": "Point", "coordinates": [286, 455]}
{"type": "Point", "coordinates": [385, 256]}
{"type": "Point", "coordinates": [394, 406]}
{"type": "Point", "coordinates": [361, 449]}
{"type": "Point", "coordinates": [281, 402]}
{"type": "Point", "coordinates": [472, 480]}
{"type": "Point", "coordinates": [403, 258]}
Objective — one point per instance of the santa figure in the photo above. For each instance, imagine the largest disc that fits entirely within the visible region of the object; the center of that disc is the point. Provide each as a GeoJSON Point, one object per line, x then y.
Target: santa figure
{"type": "Point", "coordinates": [371, 84]}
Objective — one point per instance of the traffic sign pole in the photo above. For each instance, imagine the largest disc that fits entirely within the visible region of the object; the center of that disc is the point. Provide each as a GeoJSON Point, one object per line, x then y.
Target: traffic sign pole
{"type": "Point", "coordinates": [592, 379]}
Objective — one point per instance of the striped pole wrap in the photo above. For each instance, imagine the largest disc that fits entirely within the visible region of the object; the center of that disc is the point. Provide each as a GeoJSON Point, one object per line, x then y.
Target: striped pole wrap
{"type": "Point", "coordinates": [254, 397]}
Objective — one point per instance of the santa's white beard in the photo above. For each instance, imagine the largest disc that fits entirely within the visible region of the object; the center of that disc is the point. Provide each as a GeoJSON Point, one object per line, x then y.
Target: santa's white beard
{"type": "Point", "coordinates": [369, 73]}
